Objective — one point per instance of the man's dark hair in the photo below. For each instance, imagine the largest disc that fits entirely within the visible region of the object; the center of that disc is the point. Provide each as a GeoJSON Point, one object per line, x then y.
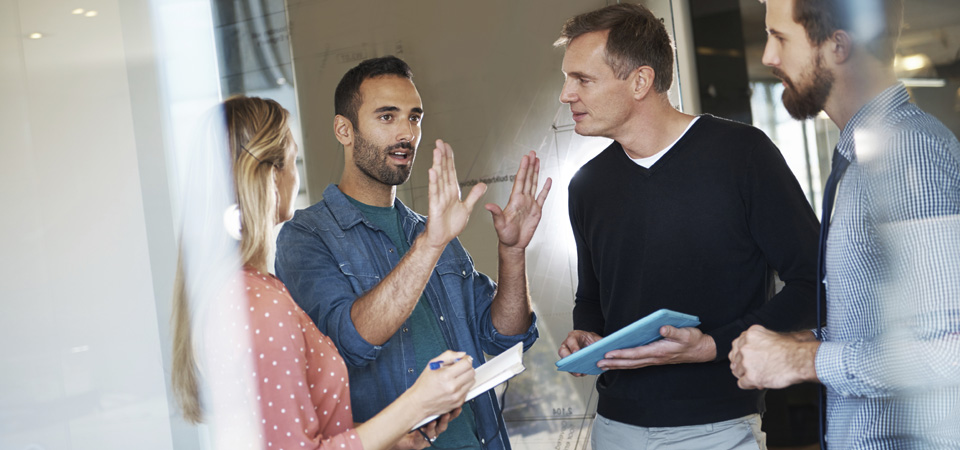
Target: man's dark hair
{"type": "Point", "coordinates": [876, 22]}
{"type": "Point", "coordinates": [637, 38]}
{"type": "Point", "coordinates": [347, 100]}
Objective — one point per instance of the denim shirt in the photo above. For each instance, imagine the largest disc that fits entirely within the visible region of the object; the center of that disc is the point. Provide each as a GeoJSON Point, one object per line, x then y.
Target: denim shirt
{"type": "Point", "coordinates": [329, 255]}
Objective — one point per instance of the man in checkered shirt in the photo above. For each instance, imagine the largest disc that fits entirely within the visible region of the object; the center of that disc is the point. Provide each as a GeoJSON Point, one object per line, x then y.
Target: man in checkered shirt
{"type": "Point", "coordinates": [889, 356]}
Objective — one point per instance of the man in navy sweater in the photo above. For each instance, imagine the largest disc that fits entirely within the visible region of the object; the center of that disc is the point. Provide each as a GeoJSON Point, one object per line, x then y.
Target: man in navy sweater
{"type": "Point", "coordinates": [688, 213]}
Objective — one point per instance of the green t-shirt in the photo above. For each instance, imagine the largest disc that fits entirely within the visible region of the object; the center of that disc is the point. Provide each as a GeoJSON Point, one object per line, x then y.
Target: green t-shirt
{"type": "Point", "coordinates": [428, 340]}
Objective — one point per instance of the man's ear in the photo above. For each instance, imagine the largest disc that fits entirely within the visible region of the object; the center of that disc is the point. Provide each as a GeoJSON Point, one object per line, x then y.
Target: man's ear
{"type": "Point", "coordinates": [642, 78]}
{"type": "Point", "coordinates": [839, 47]}
{"type": "Point", "coordinates": [343, 130]}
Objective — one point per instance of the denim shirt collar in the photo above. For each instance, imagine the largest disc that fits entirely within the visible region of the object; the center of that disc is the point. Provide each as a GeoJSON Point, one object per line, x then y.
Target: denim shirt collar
{"type": "Point", "coordinates": [348, 216]}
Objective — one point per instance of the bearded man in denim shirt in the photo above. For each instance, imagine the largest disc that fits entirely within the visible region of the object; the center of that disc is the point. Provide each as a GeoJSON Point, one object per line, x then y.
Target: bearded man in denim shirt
{"type": "Point", "coordinates": [393, 289]}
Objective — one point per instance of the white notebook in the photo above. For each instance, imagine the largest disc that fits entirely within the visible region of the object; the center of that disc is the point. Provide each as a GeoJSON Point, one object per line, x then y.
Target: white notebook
{"type": "Point", "coordinates": [491, 374]}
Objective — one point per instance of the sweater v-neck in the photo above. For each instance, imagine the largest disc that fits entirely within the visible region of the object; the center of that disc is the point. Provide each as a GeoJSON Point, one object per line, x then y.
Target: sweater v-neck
{"type": "Point", "coordinates": [673, 149]}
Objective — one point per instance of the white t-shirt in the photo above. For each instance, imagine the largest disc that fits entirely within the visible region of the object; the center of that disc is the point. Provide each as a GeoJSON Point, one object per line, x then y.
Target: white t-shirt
{"type": "Point", "coordinates": [651, 160]}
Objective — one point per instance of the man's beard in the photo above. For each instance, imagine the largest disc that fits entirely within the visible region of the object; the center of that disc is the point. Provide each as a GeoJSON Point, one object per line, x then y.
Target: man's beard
{"type": "Point", "coordinates": [807, 102]}
{"type": "Point", "coordinates": [373, 162]}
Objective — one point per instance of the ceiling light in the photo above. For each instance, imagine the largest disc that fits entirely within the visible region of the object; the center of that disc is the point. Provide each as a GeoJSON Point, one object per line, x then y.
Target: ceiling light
{"type": "Point", "coordinates": [77, 11]}
{"type": "Point", "coordinates": [90, 13]}
{"type": "Point", "coordinates": [923, 82]}
{"type": "Point", "coordinates": [36, 35]}
{"type": "Point", "coordinates": [912, 62]}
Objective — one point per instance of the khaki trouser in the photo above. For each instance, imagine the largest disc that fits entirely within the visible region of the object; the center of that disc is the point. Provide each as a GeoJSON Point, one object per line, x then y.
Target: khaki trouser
{"type": "Point", "coordinates": [740, 434]}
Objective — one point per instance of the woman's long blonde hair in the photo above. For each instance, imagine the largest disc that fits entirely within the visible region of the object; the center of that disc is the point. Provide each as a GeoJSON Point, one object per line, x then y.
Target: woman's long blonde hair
{"type": "Point", "coordinates": [255, 134]}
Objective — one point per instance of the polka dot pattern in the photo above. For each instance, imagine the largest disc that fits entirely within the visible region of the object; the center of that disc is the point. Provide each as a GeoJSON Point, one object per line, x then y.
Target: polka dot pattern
{"type": "Point", "coordinates": [283, 370]}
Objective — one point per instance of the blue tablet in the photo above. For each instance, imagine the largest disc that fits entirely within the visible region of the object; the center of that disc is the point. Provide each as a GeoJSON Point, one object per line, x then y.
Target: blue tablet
{"type": "Point", "coordinates": [641, 332]}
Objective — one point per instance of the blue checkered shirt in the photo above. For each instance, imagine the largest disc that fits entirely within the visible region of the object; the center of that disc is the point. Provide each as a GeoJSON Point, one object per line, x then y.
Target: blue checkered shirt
{"type": "Point", "coordinates": [890, 356]}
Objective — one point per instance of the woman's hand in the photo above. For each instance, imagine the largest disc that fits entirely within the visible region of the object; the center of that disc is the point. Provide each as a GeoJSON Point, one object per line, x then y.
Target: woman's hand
{"type": "Point", "coordinates": [415, 441]}
{"type": "Point", "coordinates": [444, 389]}
{"type": "Point", "coordinates": [439, 391]}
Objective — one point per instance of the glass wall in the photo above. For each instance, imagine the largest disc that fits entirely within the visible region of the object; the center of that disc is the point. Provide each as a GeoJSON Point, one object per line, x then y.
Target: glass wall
{"type": "Point", "coordinates": [101, 103]}
{"type": "Point", "coordinates": [254, 59]}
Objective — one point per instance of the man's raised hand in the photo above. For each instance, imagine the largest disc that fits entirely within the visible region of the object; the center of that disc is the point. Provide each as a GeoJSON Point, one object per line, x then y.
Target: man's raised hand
{"type": "Point", "coordinates": [516, 223]}
{"type": "Point", "coordinates": [448, 215]}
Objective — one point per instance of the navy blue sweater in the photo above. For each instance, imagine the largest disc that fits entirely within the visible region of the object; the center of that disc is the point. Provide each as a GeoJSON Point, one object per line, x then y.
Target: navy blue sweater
{"type": "Point", "coordinates": [702, 232]}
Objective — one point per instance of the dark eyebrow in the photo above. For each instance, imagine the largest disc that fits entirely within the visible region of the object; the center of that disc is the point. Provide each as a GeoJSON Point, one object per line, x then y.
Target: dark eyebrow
{"type": "Point", "coordinates": [384, 109]}
{"type": "Point", "coordinates": [774, 32]}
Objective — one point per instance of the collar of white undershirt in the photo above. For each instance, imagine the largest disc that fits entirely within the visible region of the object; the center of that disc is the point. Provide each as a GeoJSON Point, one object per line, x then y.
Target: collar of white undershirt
{"type": "Point", "coordinates": [651, 160]}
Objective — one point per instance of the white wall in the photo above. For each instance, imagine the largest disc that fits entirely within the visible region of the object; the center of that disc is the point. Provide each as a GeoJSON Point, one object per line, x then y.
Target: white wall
{"type": "Point", "coordinates": [87, 235]}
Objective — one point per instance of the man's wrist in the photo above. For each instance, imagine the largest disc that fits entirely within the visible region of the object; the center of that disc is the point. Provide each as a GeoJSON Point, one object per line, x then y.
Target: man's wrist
{"type": "Point", "coordinates": [708, 348]}
{"type": "Point", "coordinates": [427, 244]}
{"type": "Point", "coordinates": [804, 335]}
{"type": "Point", "coordinates": [807, 369]}
{"type": "Point", "coordinates": [511, 252]}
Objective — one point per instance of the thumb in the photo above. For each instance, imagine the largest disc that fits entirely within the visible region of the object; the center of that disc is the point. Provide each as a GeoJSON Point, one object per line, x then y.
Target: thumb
{"type": "Point", "coordinates": [474, 195]}
{"type": "Point", "coordinates": [494, 209]}
{"type": "Point", "coordinates": [670, 333]}
{"type": "Point", "coordinates": [496, 213]}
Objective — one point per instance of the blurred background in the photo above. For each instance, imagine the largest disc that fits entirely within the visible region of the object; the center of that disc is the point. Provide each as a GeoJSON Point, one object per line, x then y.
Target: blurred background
{"type": "Point", "coordinates": [100, 100]}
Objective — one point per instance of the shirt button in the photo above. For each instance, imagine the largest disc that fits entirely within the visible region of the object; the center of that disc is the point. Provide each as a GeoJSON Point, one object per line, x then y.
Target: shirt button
{"type": "Point", "coordinates": [390, 250]}
{"type": "Point", "coordinates": [483, 441]}
{"type": "Point", "coordinates": [441, 318]}
{"type": "Point", "coordinates": [463, 272]}
{"type": "Point", "coordinates": [404, 329]}
{"type": "Point", "coordinates": [410, 370]}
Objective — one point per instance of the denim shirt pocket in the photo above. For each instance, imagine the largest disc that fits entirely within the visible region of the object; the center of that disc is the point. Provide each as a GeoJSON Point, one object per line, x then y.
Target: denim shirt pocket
{"type": "Point", "coordinates": [456, 277]}
{"type": "Point", "coordinates": [362, 279]}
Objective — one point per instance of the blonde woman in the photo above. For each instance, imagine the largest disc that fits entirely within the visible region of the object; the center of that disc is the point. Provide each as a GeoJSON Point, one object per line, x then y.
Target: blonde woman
{"type": "Point", "coordinates": [244, 352]}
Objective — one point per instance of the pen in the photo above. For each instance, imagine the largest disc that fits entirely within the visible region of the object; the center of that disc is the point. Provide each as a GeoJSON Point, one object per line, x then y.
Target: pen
{"type": "Point", "coordinates": [434, 365]}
